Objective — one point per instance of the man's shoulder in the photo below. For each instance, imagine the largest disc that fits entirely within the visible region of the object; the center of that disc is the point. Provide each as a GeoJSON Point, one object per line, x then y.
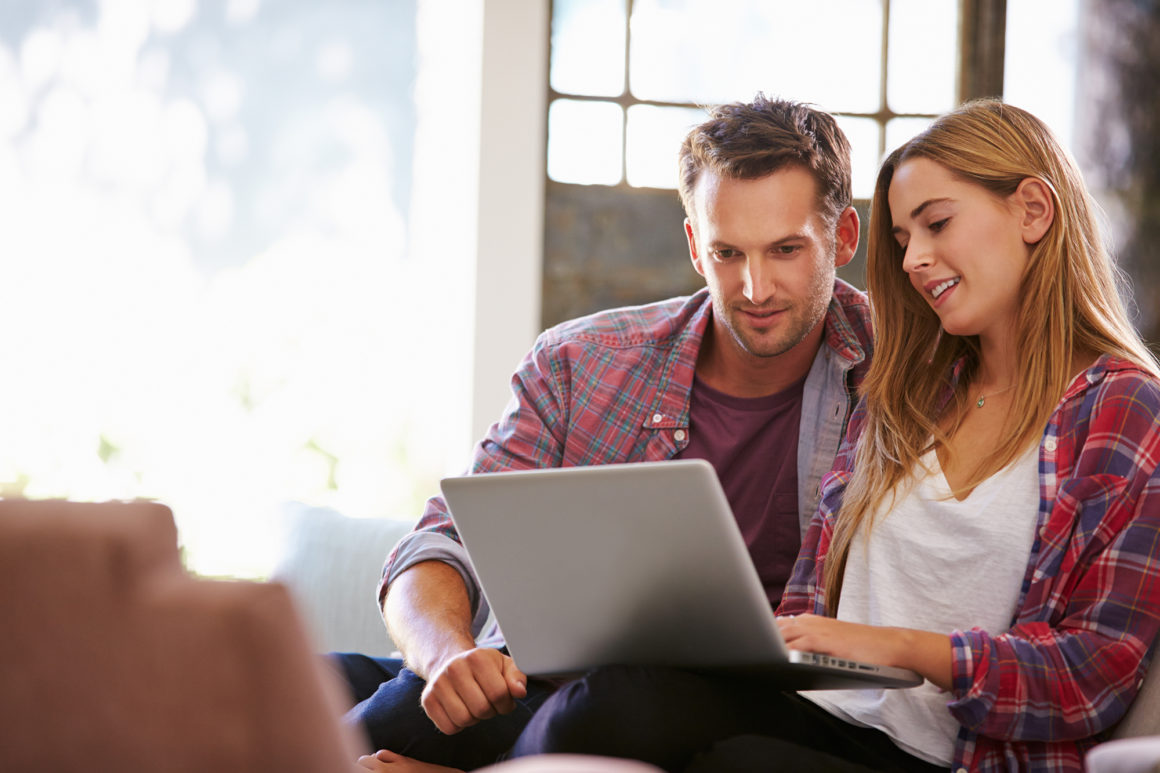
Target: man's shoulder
{"type": "Point", "coordinates": [852, 300]}
{"type": "Point", "coordinates": [849, 326]}
{"type": "Point", "coordinates": [628, 326]}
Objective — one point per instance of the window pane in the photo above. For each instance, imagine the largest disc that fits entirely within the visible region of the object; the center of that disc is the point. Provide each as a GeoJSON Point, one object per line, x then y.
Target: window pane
{"type": "Point", "coordinates": [1042, 37]}
{"type": "Point", "coordinates": [588, 47]}
{"type": "Point", "coordinates": [863, 134]}
{"type": "Point", "coordinates": [654, 142]}
{"type": "Point", "coordinates": [712, 51]}
{"type": "Point", "coordinates": [923, 47]}
{"type": "Point", "coordinates": [584, 142]}
{"type": "Point", "coordinates": [900, 130]}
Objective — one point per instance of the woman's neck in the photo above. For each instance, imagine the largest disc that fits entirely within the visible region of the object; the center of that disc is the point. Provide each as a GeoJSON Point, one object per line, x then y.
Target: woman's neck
{"type": "Point", "coordinates": [997, 364]}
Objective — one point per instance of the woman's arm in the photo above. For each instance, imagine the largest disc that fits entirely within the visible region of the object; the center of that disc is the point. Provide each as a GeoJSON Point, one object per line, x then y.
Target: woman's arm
{"type": "Point", "coordinates": [1071, 664]}
{"type": "Point", "coordinates": [927, 653]}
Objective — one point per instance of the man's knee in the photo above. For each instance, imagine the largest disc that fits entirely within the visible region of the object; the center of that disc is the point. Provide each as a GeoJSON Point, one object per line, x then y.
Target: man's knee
{"type": "Point", "coordinates": [393, 718]}
{"type": "Point", "coordinates": [602, 713]}
{"type": "Point", "coordinates": [361, 673]}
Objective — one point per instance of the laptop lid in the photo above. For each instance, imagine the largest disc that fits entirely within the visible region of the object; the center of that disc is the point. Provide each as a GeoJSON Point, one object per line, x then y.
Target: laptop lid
{"type": "Point", "coordinates": [627, 563]}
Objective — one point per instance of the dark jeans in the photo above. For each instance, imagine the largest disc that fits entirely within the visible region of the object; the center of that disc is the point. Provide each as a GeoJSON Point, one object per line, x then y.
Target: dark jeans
{"type": "Point", "coordinates": [684, 721]}
{"type": "Point", "coordinates": [386, 696]}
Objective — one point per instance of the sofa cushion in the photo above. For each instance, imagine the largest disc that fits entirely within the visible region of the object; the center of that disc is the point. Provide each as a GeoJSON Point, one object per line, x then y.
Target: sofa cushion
{"type": "Point", "coordinates": [332, 563]}
{"type": "Point", "coordinates": [116, 659]}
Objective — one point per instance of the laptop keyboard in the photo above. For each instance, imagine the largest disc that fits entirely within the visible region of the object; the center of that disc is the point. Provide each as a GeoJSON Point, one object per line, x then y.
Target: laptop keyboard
{"type": "Point", "coordinates": [817, 659]}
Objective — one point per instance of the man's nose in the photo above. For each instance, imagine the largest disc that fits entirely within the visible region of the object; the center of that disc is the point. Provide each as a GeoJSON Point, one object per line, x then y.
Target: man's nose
{"type": "Point", "coordinates": [759, 281]}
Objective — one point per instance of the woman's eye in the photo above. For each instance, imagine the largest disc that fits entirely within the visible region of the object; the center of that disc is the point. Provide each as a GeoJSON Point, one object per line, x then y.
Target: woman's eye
{"type": "Point", "coordinates": [938, 225]}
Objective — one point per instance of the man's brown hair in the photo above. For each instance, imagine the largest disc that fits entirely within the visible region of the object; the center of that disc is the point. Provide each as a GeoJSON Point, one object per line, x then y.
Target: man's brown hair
{"type": "Point", "coordinates": [748, 140]}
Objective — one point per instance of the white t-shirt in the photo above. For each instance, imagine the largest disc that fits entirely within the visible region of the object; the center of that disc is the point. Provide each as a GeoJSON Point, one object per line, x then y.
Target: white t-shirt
{"type": "Point", "coordinates": [937, 564]}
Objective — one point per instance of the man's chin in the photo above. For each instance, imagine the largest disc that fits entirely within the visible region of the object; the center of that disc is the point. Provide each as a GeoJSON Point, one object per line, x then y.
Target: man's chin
{"type": "Point", "coordinates": [765, 348]}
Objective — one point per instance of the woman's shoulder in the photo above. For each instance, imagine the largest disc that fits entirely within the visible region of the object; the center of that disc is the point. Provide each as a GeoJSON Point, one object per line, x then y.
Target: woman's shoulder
{"type": "Point", "coordinates": [1118, 378]}
{"type": "Point", "coordinates": [1116, 397]}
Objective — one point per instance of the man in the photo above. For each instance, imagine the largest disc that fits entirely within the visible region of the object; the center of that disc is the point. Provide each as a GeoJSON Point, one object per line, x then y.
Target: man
{"type": "Point", "coordinates": [757, 373]}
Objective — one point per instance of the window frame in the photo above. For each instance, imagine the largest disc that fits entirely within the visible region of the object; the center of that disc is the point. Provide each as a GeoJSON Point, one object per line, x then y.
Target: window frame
{"type": "Point", "coordinates": [981, 48]}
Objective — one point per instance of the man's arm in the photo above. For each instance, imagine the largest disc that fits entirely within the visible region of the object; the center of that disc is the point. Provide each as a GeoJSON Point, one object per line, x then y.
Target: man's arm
{"type": "Point", "coordinates": [428, 616]}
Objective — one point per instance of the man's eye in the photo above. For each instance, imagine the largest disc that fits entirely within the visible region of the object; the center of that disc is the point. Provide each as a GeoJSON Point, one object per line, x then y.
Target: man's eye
{"type": "Point", "coordinates": [724, 253]}
{"type": "Point", "coordinates": [788, 249]}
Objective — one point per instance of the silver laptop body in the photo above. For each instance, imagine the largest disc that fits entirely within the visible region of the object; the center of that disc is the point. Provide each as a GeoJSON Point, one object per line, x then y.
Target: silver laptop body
{"type": "Point", "coordinates": [630, 564]}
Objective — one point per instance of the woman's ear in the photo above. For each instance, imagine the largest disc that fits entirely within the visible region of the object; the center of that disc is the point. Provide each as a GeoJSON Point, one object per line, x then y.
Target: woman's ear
{"type": "Point", "coordinates": [1036, 208]}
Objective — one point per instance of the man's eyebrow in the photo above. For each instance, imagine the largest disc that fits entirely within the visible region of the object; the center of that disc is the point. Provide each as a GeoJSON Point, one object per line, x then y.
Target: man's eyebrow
{"type": "Point", "coordinates": [914, 213]}
{"type": "Point", "coordinates": [794, 237]}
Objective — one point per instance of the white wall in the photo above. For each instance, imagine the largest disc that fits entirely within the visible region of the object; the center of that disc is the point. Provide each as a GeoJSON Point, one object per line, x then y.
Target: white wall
{"type": "Point", "coordinates": [511, 198]}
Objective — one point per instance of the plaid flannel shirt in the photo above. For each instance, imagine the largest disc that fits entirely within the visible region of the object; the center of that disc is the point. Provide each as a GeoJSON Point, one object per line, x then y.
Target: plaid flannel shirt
{"type": "Point", "coordinates": [615, 387]}
{"type": "Point", "coordinates": [1037, 696]}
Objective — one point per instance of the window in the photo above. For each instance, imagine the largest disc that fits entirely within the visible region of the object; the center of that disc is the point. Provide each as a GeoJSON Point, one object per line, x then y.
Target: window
{"type": "Point", "coordinates": [628, 77]}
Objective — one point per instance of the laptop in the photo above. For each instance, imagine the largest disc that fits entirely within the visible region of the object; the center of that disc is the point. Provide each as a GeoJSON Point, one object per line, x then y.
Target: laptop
{"type": "Point", "coordinates": [630, 564]}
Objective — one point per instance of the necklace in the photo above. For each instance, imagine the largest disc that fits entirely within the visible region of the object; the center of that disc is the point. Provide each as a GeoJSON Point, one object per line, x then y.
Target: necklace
{"type": "Point", "coordinates": [983, 398]}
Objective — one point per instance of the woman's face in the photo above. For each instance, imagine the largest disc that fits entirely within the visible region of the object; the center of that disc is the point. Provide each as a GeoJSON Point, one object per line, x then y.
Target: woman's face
{"type": "Point", "coordinates": [964, 248]}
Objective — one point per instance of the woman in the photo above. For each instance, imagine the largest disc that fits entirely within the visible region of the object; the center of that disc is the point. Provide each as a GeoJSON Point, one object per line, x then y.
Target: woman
{"type": "Point", "coordinates": [993, 520]}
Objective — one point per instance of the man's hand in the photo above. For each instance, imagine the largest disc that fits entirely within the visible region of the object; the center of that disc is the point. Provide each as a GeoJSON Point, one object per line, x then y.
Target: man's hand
{"type": "Point", "coordinates": [472, 686]}
{"type": "Point", "coordinates": [429, 617]}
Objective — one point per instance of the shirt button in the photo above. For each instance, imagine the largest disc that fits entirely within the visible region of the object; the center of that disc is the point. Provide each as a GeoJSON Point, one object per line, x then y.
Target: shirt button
{"type": "Point", "coordinates": [679, 436]}
{"type": "Point", "coordinates": [1050, 445]}
{"type": "Point", "coordinates": [658, 418]}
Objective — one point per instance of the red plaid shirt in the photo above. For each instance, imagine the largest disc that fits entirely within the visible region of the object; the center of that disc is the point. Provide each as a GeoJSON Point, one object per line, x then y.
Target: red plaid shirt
{"type": "Point", "coordinates": [615, 387]}
{"type": "Point", "coordinates": [1037, 696]}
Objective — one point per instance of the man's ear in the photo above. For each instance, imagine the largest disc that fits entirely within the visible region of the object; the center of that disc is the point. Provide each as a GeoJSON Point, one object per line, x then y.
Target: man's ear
{"type": "Point", "coordinates": [693, 254]}
{"type": "Point", "coordinates": [1036, 208]}
{"type": "Point", "coordinates": [845, 237]}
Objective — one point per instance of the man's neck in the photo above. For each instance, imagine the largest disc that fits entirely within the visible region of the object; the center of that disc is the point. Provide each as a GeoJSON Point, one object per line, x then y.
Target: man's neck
{"type": "Point", "coordinates": [724, 366]}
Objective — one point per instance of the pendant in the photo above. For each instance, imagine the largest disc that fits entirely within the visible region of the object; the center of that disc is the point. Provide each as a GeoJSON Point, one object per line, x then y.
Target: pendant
{"type": "Point", "coordinates": [979, 402]}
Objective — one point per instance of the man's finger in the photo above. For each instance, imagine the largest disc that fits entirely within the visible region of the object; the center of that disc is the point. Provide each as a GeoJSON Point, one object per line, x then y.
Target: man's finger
{"type": "Point", "coordinates": [472, 685]}
{"type": "Point", "coordinates": [517, 681]}
{"type": "Point", "coordinates": [438, 714]}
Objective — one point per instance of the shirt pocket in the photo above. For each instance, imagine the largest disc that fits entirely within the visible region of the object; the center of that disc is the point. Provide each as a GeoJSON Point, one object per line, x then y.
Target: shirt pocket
{"type": "Point", "coordinates": [1087, 514]}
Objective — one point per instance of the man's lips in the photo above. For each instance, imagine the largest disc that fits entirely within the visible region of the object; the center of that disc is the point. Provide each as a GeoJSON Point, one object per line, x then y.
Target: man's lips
{"type": "Point", "coordinates": [761, 316]}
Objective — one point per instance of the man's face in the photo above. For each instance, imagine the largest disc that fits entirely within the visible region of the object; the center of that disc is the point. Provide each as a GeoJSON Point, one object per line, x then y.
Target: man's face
{"type": "Point", "coordinates": [768, 258]}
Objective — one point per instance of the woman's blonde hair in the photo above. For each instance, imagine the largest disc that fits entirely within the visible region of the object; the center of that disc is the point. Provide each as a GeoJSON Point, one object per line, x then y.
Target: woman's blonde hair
{"type": "Point", "coordinates": [1069, 304]}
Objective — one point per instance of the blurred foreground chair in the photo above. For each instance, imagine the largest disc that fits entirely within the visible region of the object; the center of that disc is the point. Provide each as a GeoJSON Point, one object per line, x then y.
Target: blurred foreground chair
{"type": "Point", "coordinates": [1135, 743]}
{"type": "Point", "coordinates": [113, 658]}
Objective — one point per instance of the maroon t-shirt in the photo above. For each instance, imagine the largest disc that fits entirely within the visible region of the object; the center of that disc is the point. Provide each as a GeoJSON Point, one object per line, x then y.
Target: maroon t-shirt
{"type": "Point", "coordinates": [752, 443]}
